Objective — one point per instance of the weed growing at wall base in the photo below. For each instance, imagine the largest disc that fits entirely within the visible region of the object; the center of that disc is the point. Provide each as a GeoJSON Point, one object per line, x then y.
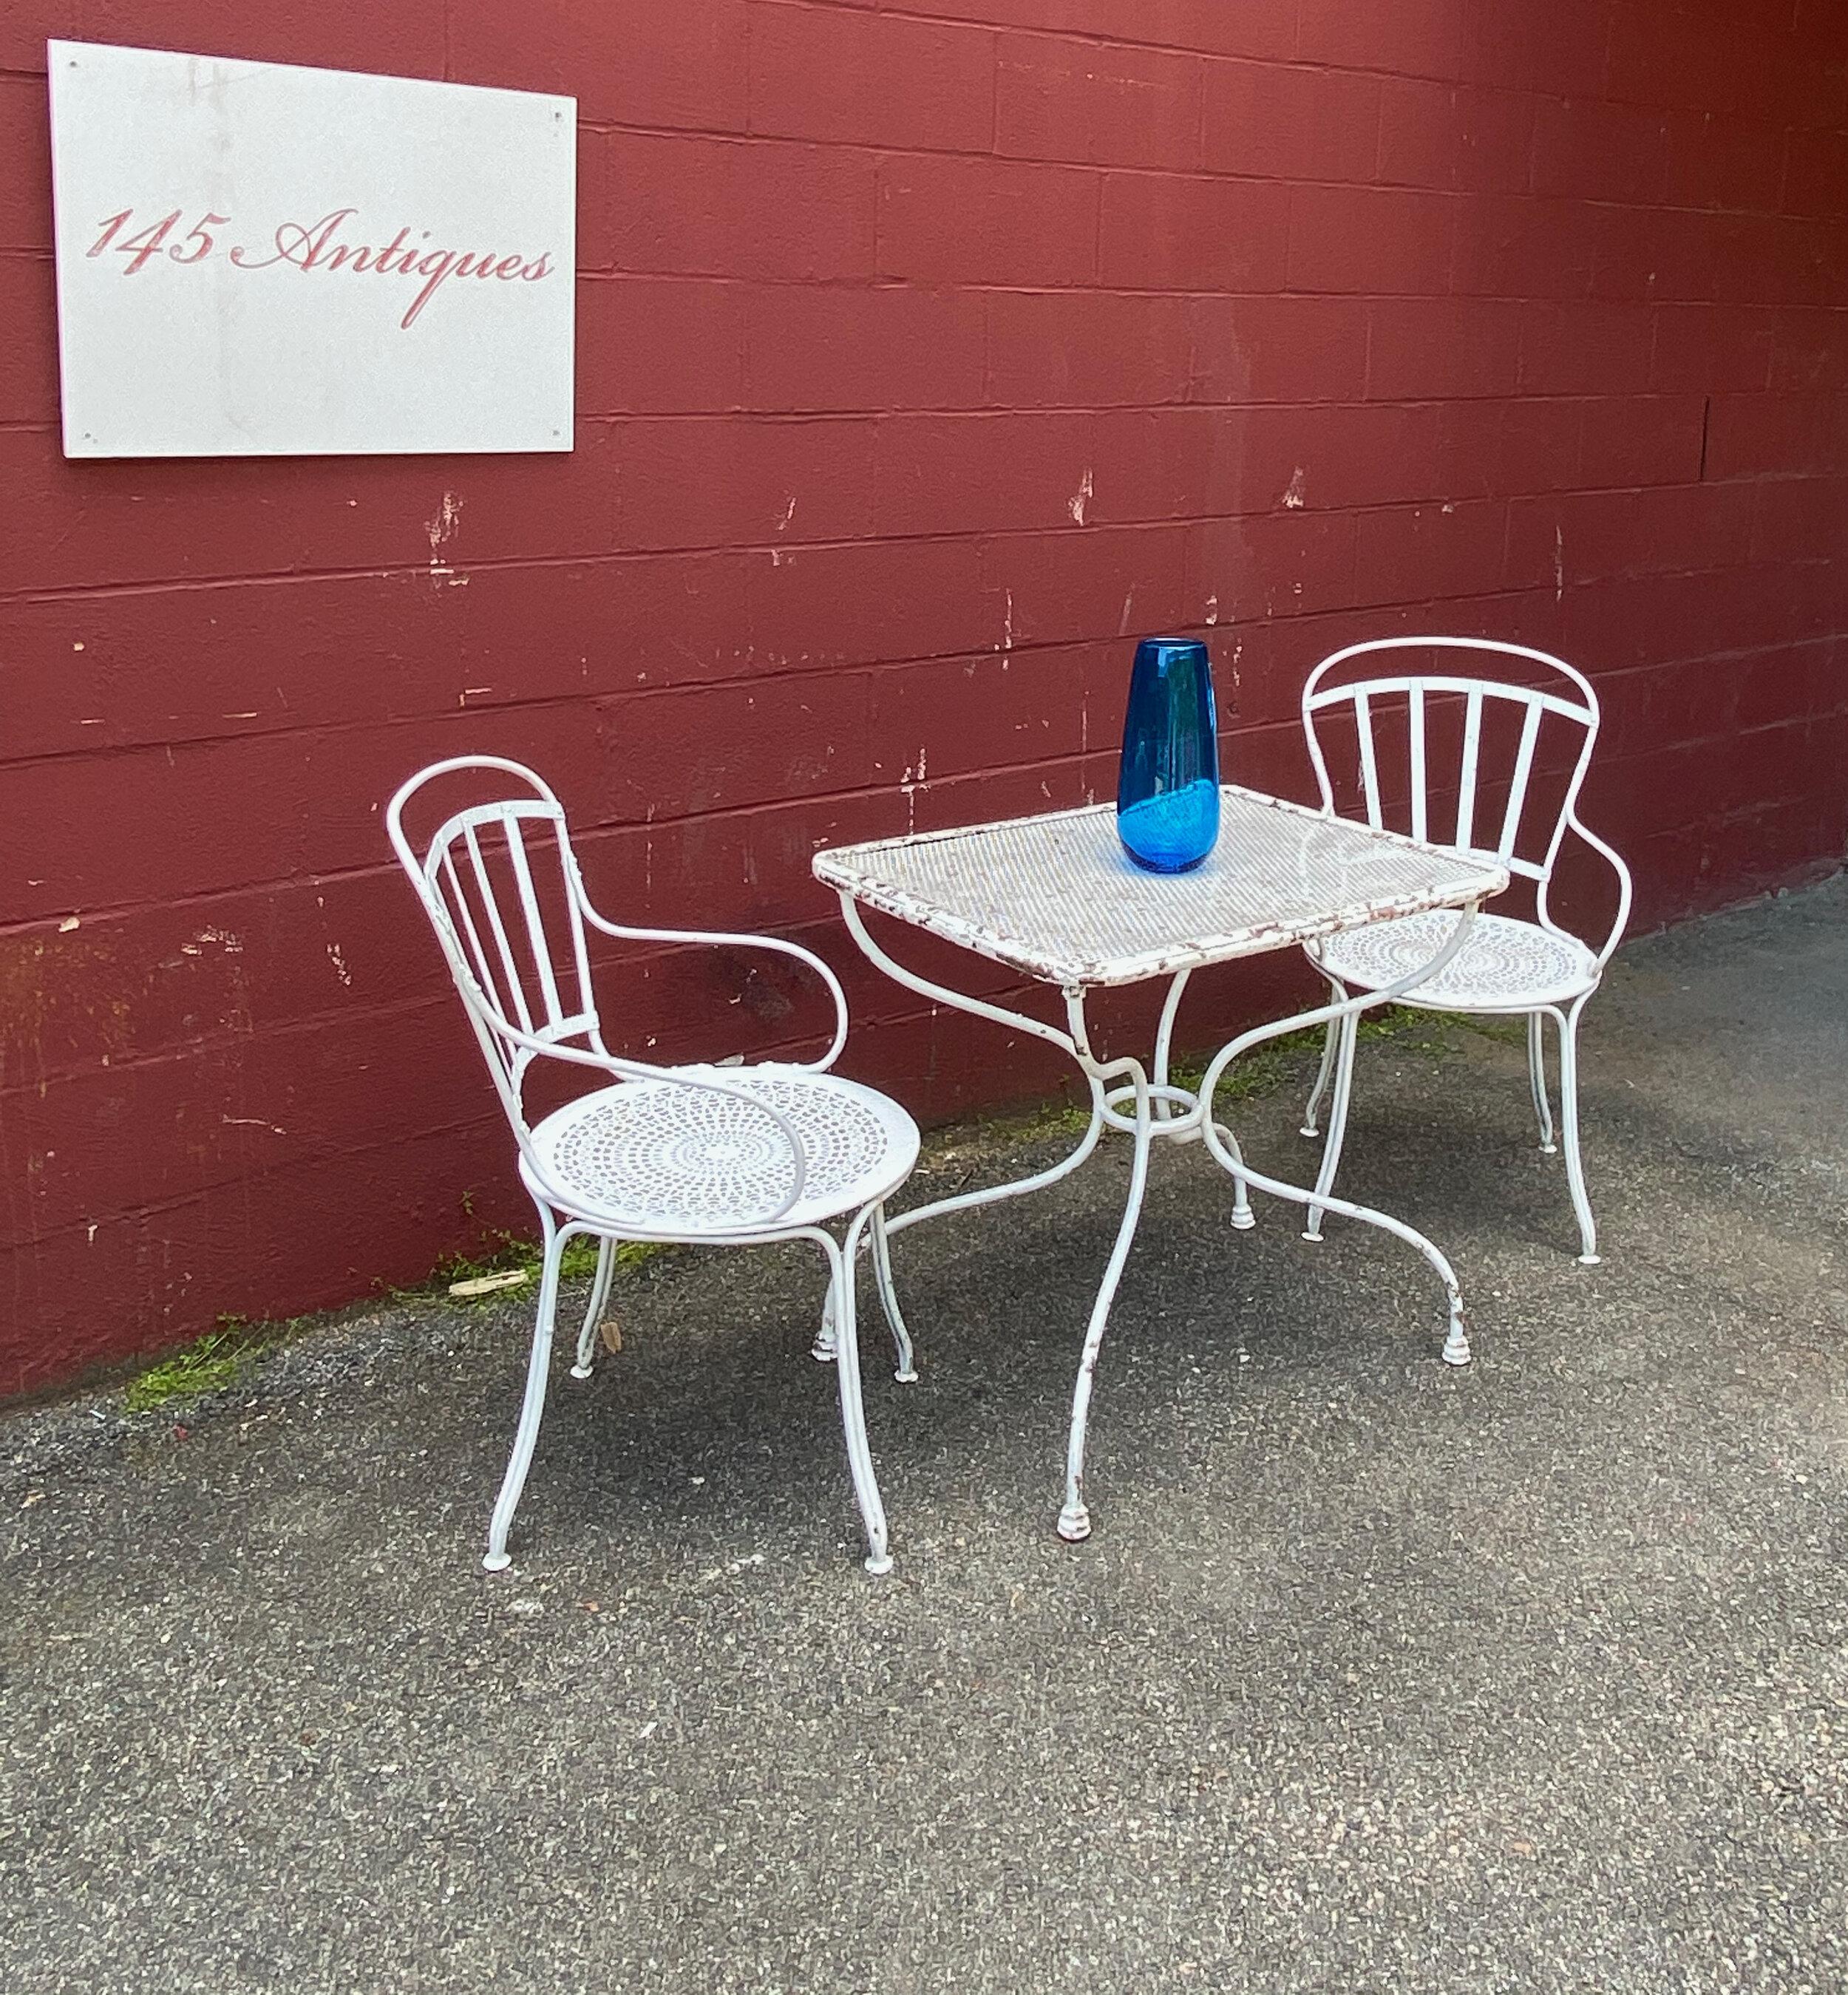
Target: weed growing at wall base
{"type": "Point", "coordinates": [217, 1359]}
{"type": "Point", "coordinates": [507, 1253]}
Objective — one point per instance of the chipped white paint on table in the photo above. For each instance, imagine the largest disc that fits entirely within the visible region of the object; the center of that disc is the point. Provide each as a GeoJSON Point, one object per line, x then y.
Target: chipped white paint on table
{"type": "Point", "coordinates": [1056, 896]}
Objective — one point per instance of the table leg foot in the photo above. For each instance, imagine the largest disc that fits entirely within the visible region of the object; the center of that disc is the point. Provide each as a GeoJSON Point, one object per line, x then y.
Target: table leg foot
{"type": "Point", "coordinates": [1074, 1523]}
{"type": "Point", "coordinates": [1243, 1221]}
{"type": "Point", "coordinates": [1456, 1345]}
{"type": "Point", "coordinates": [1316, 1236]}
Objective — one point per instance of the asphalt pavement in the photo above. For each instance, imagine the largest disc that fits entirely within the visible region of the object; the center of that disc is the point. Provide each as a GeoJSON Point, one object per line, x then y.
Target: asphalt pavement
{"type": "Point", "coordinates": [1375, 1674]}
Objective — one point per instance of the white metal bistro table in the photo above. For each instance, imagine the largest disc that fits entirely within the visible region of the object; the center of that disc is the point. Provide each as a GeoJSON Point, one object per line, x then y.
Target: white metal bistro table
{"type": "Point", "coordinates": [1056, 896]}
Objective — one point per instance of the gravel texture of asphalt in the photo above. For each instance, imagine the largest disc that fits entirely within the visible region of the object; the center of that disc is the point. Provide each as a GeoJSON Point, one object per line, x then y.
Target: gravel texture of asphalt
{"type": "Point", "coordinates": [1375, 1674]}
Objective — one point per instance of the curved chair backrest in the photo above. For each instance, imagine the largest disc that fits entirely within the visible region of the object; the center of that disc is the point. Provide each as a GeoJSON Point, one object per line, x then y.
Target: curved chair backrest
{"type": "Point", "coordinates": [500, 883]}
{"type": "Point", "coordinates": [1451, 752]}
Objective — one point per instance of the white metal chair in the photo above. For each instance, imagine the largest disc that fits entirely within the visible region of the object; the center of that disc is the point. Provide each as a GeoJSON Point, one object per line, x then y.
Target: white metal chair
{"type": "Point", "coordinates": [1417, 736]}
{"type": "Point", "coordinates": [733, 1155]}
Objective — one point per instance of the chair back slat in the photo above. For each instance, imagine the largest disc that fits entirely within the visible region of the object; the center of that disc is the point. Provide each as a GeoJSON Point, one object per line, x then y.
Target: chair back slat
{"type": "Point", "coordinates": [1414, 725]}
{"type": "Point", "coordinates": [1518, 782]}
{"type": "Point", "coordinates": [509, 991]}
{"type": "Point", "coordinates": [455, 903]}
{"type": "Point", "coordinates": [1466, 780]}
{"type": "Point", "coordinates": [1369, 761]}
{"type": "Point", "coordinates": [1475, 747]}
{"type": "Point", "coordinates": [536, 939]}
{"type": "Point", "coordinates": [511, 921]}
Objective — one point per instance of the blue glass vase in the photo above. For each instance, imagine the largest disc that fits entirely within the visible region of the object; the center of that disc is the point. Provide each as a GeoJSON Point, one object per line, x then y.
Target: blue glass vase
{"type": "Point", "coordinates": [1168, 789]}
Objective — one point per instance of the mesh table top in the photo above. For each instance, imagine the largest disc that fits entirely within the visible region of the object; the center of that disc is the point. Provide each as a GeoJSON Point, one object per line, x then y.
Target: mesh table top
{"type": "Point", "coordinates": [1055, 895]}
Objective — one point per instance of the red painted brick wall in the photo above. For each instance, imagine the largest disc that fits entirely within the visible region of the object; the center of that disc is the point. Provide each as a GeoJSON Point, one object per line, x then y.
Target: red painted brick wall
{"type": "Point", "coordinates": [927, 355]}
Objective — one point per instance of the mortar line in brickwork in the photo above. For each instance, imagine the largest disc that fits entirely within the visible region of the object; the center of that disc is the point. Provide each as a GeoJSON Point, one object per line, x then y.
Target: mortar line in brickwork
{"type": "Point", "coordinates": [884, 149]}
{"type": "Point", "coordinates": [1171, 523]}
{"type": "Point", "coordinates": [866, 283]}
{"type": "Point", "coordinates": [1000, 411]}
{"type": "Point", "coordinates": [924, 16]}
{"type": "Point", "coordinates": [180, 1201]}
{"type": "Point", "coordinates": [831, 672]}
{"type": "Point", "coordinates": [591, 833]}
{"type": "Point", "coordinates": [768, 417]}
{"type": "Point", "coordinates": [879, 150]}
{"type": "Point", "coordinates": [439, 1003]}
{"type": "Point", "coordinates": [823, 921]}
{"type": "Point", "coordinates": [851, 418]}
{"type": "Point", "coordinates": [602, 127]}
{"type": "Point", "coordinates": [824, 672]}
{"type": "Point", "coordinates": [1295, 61]}
{"type": "Point", "coordinates": [1398, 71]}
{"type": "Point", "coordinates": [489, 1124]}
{"type": "Point", "coordinates": [54, 597]}
{"type": "Point", "coordinates": [993, 35]}
{"type": "Point", "coordinates": [584, 831]}
{"type": "Point", "coordinates": [788, 551]}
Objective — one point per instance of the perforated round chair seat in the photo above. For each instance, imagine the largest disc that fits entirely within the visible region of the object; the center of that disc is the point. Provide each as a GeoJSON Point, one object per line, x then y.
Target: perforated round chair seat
{"type": "Point", "coordinates": [666, 1159]}
{"type": "Point", "coordinates": [1503, 965]}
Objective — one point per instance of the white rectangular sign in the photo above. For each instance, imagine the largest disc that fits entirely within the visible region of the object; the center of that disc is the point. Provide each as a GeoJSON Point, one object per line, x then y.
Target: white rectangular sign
{"type": "Point", "coordinates": [256, 260]}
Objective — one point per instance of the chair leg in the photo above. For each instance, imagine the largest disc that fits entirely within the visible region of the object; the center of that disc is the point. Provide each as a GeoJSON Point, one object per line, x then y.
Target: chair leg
{"type": "Point", "coordinates": [853, 1411]}
{"type": "Point", "coordinates": [1243, 1217]}
{"type": "Point", "coordinates": [907, 1373]}
{"type": "Point", "coordinates": [822, 1349]}
{"type": "Point", "coordinates": [1331, 1033]}
{"type": "Point", "coordinates": [599, 1301]}
{"type": "Point", "coordinates": [1537, 1074]}
{"type": "Point", "coordinates": [1568, 1117]}
{"type": "Point", "coordinates": [538, 1365]}
{"type": "Point", "coordinates": [1347, 1037]}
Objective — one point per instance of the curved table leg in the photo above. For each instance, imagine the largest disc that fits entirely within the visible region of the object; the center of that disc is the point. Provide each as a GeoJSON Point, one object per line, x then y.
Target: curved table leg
{"type": "Point", "coordinates": [996, 1014]}
{"type": "Point", "coordinates": [1159, 1110]}
{"type": "Point", "coordinates": [1345, 1035]}
{"type": "Point", "coordinates": [907, 1373]}
{"type": "Point", "coordinates": [1242, 1216]}
{"type": "Point", "coordinates": [1320, 1199]}
{"type": "Point", "coordinates": [853, 1413]}
{"type": "Point", "coordinates": [599, 1301]}
{"type": "Point", "coordinates": [1074, 1519]}
{"type": "Point", "coordinates": [1330, 1033]}
{"type": "Point", "coordinates": [1568, 1125]}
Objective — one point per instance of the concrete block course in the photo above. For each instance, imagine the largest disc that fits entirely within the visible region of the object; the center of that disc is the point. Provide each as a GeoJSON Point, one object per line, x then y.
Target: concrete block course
{"type": "Point", "coordinates": [974, 332]}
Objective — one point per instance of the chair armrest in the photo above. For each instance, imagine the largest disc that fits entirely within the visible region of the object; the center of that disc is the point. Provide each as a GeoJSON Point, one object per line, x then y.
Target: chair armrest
{"type": "Point", "coordinates": [718, 939]}
{"type": "Point", "coordinates": [1624, 889]}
